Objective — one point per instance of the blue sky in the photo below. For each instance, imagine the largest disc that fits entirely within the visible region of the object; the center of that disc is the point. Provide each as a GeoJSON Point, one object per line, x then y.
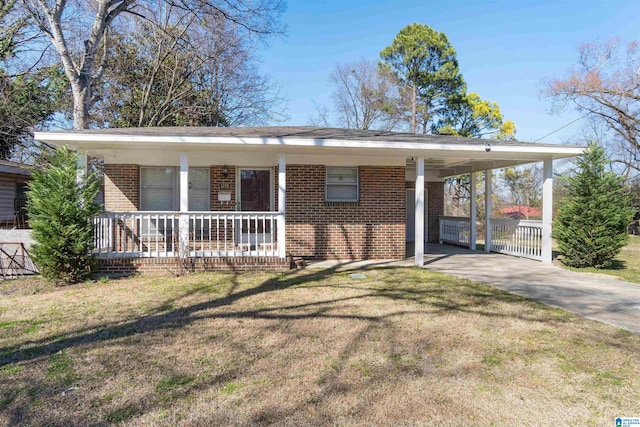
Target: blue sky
{"type": "Point", "coordinates": [505, 48]}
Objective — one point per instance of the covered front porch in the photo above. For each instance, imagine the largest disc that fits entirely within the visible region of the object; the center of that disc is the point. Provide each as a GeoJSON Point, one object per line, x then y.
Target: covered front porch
{"type": "Point", "coordinates": [249, 220]}
{"type": "Point", "coordinates": [182, 207]}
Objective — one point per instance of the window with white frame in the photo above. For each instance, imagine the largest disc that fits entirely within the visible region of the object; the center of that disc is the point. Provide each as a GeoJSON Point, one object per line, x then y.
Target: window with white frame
{"type": "Point", "coordinates": [199, 191]}
{"type": "Point", "coordinates": [160, 189]}
{"type": "Point", "coordinates": [341, 185]}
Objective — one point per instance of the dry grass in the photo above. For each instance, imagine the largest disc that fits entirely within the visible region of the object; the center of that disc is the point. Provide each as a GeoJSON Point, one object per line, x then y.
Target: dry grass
{"type": "Point", "coordinates": [401, 347]}
{"type": "Point", "coordinates": [626, 265]}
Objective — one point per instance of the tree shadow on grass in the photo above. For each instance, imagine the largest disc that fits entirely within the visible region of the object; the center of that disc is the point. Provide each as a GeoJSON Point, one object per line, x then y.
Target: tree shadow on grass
{"type": "Point", "coordinates": [433, 298]}
{"type": "Point", "coordinates": [151, 322]}
{"type": "Point", "coordinates": [616, 265]}
{"type": "Point", "coordinates": [475, 300]}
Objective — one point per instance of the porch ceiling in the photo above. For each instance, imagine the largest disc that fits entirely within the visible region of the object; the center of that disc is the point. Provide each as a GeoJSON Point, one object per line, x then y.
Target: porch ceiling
{"type": "Point", "coordinates": [444, 155]}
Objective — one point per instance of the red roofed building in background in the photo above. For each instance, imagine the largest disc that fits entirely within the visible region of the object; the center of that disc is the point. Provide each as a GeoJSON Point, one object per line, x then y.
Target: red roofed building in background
{"type": "Point", "coordinates": [521, 212]}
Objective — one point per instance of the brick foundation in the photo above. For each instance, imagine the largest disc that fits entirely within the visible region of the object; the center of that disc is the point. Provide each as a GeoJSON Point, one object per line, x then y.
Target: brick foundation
{"type": "Point", "coordinates": [128, 266]}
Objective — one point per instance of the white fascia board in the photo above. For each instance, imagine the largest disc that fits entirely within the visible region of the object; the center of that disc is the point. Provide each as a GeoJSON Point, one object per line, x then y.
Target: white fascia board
{"type": "Point", "coordinates": [96, 139]}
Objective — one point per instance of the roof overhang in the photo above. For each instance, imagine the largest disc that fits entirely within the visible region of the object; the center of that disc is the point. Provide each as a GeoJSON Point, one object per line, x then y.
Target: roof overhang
{"type": "Point", "coordinates": [445, 156]}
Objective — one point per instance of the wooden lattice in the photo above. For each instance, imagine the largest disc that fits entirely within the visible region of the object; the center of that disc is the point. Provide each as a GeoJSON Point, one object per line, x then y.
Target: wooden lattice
{"type": "Point", "coordinates": [15, 260]}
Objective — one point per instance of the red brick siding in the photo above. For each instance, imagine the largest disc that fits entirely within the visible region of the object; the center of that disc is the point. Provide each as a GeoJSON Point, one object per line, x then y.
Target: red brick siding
{"type": "Point", "coordinates": [121, 187]}
{"type": "Point", "coordinates": [220, 183]}
{"type": "Point", "coordinates": [373, 228]}
{"type": "Point", "coordinates": [275, 188]}
{"type": "Point", "coordinates": [435, 209]}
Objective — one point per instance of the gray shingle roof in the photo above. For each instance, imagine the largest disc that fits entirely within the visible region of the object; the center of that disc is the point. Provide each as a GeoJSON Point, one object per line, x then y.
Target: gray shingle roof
{"type": "Point", "coordinates": [15, 168]}
{"type": "Point", "coordinates": [299, 132]}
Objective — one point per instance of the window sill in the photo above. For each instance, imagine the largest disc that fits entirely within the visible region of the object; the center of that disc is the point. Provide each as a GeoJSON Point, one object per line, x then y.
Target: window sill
{"type": "Point", "coordinates": [331, 204]}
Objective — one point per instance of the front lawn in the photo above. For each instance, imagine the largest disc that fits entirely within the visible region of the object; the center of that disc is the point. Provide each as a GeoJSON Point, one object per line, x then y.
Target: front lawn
{"type": "Point", "coordinates": [626, 265]}
{"type": "Point", "coordinates": [399, 347]}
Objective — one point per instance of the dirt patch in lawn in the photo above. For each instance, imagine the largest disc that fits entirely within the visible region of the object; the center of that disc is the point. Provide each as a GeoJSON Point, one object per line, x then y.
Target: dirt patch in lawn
{"type": "Point", "coordinates": [401, 346]}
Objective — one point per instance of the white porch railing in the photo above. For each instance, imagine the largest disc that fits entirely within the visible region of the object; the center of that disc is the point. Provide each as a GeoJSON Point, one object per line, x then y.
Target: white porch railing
{"type": "Point", "coordinates": [517, 237]}
{"type": "Point", "coordinates": [210, 234]}
{"type": "Point", "coordinates": [454, 229]}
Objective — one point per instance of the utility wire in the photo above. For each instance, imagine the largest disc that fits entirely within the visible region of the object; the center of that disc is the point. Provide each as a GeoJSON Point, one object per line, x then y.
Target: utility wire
{"type": "Point", "coordinates": [560, 128]}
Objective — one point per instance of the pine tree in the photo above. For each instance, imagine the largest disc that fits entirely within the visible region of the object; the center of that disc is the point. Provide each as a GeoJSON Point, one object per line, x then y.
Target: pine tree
{"type": "Point", "coordinates": [591, 226]}
{"type": "Point", "coordinates": [60, 209]}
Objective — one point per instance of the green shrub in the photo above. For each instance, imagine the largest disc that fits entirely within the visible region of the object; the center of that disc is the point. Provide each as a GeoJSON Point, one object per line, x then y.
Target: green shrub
{"type": "Point", "coordinates": [60, 209]}
{"type": "Point", "coordinates": [591, 225]}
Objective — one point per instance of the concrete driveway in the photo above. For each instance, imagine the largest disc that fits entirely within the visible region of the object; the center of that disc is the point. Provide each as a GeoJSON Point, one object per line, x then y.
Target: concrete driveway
{"type": "Point", "coordinates": [595, 296]}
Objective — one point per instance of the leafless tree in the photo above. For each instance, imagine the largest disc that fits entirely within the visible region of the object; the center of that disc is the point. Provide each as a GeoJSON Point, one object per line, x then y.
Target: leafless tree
{"type": "Point", "coordinates": [322, 118]}
{"type": "Point", "coordinates": [78, 31]}
{"type": "Point", "coordinates": [606, 84]}
{"type": "Point", "coordinates": [364, 96]}
{"type": "Point", "coordinates": [183, 74]}
{"type": "Point", "coordinates": [232, 79]}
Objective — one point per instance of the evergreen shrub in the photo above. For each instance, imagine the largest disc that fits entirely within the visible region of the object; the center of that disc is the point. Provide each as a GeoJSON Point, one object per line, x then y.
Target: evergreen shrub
{"type": "Point", "coordinates": [61, 205]}
{"type": "Point", "coordinates": [591, 225]}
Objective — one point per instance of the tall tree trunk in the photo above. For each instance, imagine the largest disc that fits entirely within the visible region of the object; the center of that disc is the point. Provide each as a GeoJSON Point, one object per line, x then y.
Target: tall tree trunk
{"type": "Point", "coordinates": [414, 108]}
{"type": "Point", "coordinates": [79, 67]}
{"type": "Point", "coordinates": [81, 101]}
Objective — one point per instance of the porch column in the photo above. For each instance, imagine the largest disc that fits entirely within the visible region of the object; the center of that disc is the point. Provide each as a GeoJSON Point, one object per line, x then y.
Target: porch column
{"type": "Point", "coordinates": [184, 206]}
{"type": "Point", "coordinates": [82, 167]}
{"type": "Point", "coordinates": [473, 212]}
{"type": "Point", "coordinates": [282, 204]}
{"type": "Point", "coordinates": [184, 182]}
{"type": "Point", "coordinates": [547, 211]}
{"type": "Point", "coordinates": [488, 207]}
{"type": "Point", "coordinates": [419, 214]}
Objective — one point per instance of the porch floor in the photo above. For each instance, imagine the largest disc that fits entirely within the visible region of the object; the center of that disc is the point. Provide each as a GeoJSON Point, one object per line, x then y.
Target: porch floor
{"type": "Point", "coordinates": [595, 296]}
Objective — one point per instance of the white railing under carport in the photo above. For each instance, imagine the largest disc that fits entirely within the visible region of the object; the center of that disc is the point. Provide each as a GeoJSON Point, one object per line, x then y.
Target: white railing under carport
{"type": "Point", "coordinates": [210, 234]}
{"type": "Point", "coordinates": [521, 238]}
{"type": "Point", "coordinates": [456, 230]}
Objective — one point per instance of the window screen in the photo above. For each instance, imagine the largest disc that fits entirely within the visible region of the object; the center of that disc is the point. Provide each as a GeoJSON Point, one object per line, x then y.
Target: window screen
{"type": "Point", "coordinates": [341, 185]}
{"type": "Point", "coordinates": [199, 194]}
{"type": "Point", "coordinates": [159, 189]}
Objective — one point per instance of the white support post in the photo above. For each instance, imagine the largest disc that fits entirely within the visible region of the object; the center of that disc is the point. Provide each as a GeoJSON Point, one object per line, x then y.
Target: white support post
{"type": "Point", "coordinates": [547, 211]}
{"type": "Point", "coordinates": [419, 214]}
{"type": "Point", "coordinates": [82, 164]}
{"type": "Point", "coordinates": [282, 206]}
{"type": "Point", "coordinates": [82, 167]}
{"type": "Point", "coordinates": [473, 212]}
{"type": "Point", "coordinates": [488, 208]}
{"type": "Point", "coordinates": [184, 182]}
{"type": "Point", "coordinates": [183, 225]}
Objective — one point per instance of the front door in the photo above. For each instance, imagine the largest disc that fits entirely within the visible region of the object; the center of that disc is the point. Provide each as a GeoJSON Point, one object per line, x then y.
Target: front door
{"type": "Point", "coordinates": [255, 194]}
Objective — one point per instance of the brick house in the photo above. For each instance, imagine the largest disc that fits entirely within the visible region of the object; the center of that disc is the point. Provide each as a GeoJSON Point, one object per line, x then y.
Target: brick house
{"type": "Point", "coordinates": [237, 198]}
